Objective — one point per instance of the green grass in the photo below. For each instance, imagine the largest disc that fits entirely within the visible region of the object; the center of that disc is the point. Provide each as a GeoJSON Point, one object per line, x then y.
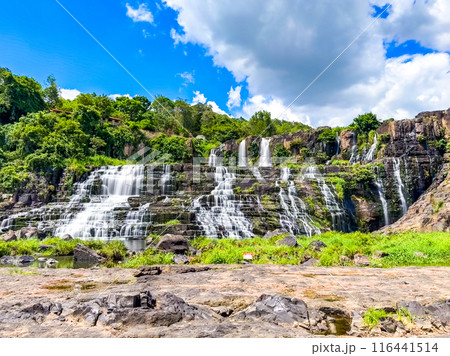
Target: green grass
{"type": "Point", "coordinates": [172, 222]}
{"type": "Point", "coordinates": [372, 317]}
{"type": "Point", "coordinates": [111, 251]}
{"type": "Point", "coordinates": [150, 256]}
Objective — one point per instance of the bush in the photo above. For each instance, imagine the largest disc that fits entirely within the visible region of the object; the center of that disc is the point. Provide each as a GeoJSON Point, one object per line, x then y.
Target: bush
{"type": "Point", "coordinates": [281, 151]}
{"type": "Point", "coordinates": [367, 122]}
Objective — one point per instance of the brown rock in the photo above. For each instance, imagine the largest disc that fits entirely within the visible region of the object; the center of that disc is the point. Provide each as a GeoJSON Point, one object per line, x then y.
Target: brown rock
{"type": "Point", "coordinates": [361, 260]}
{"type": "Point", "coordinates": [10, 236]}
{"type": "Point", "coordinates": [173, 243]}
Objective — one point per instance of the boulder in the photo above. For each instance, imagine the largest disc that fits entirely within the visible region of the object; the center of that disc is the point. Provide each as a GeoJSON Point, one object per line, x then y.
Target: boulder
{"type": "Point", "coordinates": [66, 237]}
{"type": "Point", "coordinates": [7, 261]}
{"type": "Point", "coordinates": [28, 232]}
{"type": "Point", "coordinates": [10, 236]}
{"type": "Point", "coordinates": [361, 260]}
{"type": "Point", "coordinates": [415, 308]}
{"type": "Point", "coordinates": [312, 262]}
{"type": "Point", "coordinates": [180, 259]}
{"type": "Point", "coordinates": [277, 232]}
{"type": "Point", "coordinates": [51, 262]}
{"type": "Point", "coordinates": [148, 271]}
{"type": "Point", "coordinates": [317, 245]}
{"type": "Point", "coordinates": [25, 260]}
{"type": "Point", "coordinates": [45, 247]}
{"type": "Point", "coordinates": [388, 325]}
{"type": "Point", "coordinates": [276, 309]}
{"type": "Point", "coordinates": [379, 254]}
{"type": "Point", "coordinates": [82, 253]}
{"type": "Point", "coordinates": [173, 243]}
{"type": "Point", "coordinates": [440, 312]}
{"type": "Point", "coordinates": [289, 240]}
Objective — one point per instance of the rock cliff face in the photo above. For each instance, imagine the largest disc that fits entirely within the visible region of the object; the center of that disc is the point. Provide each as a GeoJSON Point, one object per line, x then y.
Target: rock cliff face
{"type": "Point", "coordinates": [318, 181]}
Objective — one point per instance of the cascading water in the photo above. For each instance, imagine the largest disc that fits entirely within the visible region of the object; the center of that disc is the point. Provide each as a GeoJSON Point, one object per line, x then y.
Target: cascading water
{"type": "Point", "coordinates": [370, 154]}
{"type": "Point", "coordinates": [265, 158]}
{"type": "Point", "coordinates": [166, 180]}
{"type": "Point", "coordinates": [380, 189]}
{"type": "Point", "coordinates": [400, 186]}
{"type": "Point", "coordinates": [294, 209]}
{"type": "Point", "coordinates": [224, 218]}
{"type": "Point", "coordinates": [95, 210]}
{"type": "Point", "coordinates": [338, 216]}
{"type": "Point", "coordinates": [212, 160]}
{"type": "Point", "coordinates": [338, 144]}
{"type": "Point", "coordinates": [242, 162]}
{"type": "Point", "coordinates": [354, 151]}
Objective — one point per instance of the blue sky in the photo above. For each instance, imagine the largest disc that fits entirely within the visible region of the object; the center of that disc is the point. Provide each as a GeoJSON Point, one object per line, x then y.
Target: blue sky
{"type": "Point", "coordinates": [269, 50]}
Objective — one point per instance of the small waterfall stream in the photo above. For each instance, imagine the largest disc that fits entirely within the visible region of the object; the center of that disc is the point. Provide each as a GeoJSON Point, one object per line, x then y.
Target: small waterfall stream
{"type": "Point", "coordinates": [338, 144]}
{"type": "Point", "coordinates": [223, 218]}
{"type": "Point", "coordinates": [265, 158]}
{"type": "Point", "coordinates": [370, 154]}
{"type": "Point", "coordinates": [338, 216]}
{"type": "Point", "coordinates": [95, 210]}
{"type": "Point", "coordinates": [242, 161]}
{"type": "Point", "coordinates": [400, 186]}
{"type": "Point", "coordinates": [166, 180]}
{"type": "Point", "coordinates": [294, 209]}
{"type": "Point", "coordinates": [354, 150]}
{"type": "Point", "coordinates": [380, 189]}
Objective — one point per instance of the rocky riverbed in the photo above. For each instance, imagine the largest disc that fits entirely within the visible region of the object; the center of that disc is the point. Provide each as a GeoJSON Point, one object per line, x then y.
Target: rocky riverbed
{"type": "Point", "coordinates": [222, 301]}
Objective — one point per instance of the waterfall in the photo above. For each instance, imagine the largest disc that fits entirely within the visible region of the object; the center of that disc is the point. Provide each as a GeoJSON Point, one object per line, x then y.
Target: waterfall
{"type": "Point", "coordinates": [95, 210]}
{"type": "Point", "coordinates": [166, 180]}
{"type": "Point", "coordinates": [338, 144]}
{"type": "Point", "coordinates": [400, 186]}
{"type": "Point", "coordinates": [338, 216]}
{"type": "Point", "coordinates": [380, 189]}
{"type": "Point", "coordinates": [371, 152]}
{"type": "Point", "coordinates": [265, 158]}
{"type": "Point", "coordinates": [242, 154]}
{"type": "Point", "coordinates": [222, 218]}
{"type": "Point", "coordinates": [354, 152]}
{"type": "Point", "coordinates": [294, 209]}
{"type": "Point", "coordinates": [212, 160]}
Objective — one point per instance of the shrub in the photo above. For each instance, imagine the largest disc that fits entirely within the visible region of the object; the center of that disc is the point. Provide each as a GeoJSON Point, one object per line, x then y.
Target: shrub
{"type": "Point", "coordinates": [281, 151]}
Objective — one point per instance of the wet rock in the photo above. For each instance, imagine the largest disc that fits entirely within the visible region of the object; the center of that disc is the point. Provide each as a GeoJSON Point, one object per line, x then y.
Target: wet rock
{"type": "Point", "coordinates": [10, 236]}
{"type": "Point", "coordinates": [361, 260]}
{"type": "Point", "coordinates": [277, 232]}
{"type": "Point", "coordinates": [276, 309]}
{"type": "Point", "coordinates": [173, 243]}
{"type": "Point", "coordinates": [83, 253]}
{"type": "Point", "coordinates": [312, 262]}
{"type": "Point", "coordinates": [45, 247]}
{"type": "Point", "coordinates": [290, 241]}
{"type": "Point", "coordinates": [148, 271]}
{"type": "Point", "coordinates": [7, 261]}
{"type": "Point", "coordinates": [415, 308]}
{"type": "Point", "coordinates": [180, 259]}
{"type": "Point", "coordinates": [317, 245]}
{"type": "Point", "coordinates": [24, 260]}
{"type": "Point", "coordinates": [51, 262]}
{"type": "Point", "coordinates": [379, 254]}
{"type": "Point", "coordinates": [66, 237]}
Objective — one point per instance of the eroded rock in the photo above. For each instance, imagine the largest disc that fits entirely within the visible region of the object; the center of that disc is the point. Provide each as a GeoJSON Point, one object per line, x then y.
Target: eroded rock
{"type": "Point", "coordinates": [173, 243]}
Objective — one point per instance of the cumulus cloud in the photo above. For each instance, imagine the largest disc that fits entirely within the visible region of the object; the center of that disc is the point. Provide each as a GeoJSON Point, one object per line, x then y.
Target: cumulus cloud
{"type": "Point", "coordinates": [200, 98]}
{"type": "Point", "coordinates": [69, 94]}
{"type": "Point", "coordinates": [278, 47]}
{"type": "Point", "coordinates": [234, 97]}
{"type": "Point", "coordinates": [141, 14]}
{"type": "Point", "coordinates": [188, 78]}
{"type": "Point", "coordinates": [115, 96]}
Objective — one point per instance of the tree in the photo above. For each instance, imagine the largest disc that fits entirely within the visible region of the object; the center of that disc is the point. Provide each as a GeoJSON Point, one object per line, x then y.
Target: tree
{"type": "Point", "coordinates": [260, 124]}
{"type": "Point", "coordinates": [19, 95]}
{"type": "Point", "coordinates": [367, 122]}
{"type": "Point", "coordinates": [51, 93]}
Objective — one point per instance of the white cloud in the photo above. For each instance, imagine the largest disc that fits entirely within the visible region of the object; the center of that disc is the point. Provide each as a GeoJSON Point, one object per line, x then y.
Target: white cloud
{"type": "Point", "coordinates": [200, 98]}
{"type": "Point", "coordinates": [234, 97]}
{"type": "Point", "coordinates": [188, 78]}
{"type": "Point", "coordinates": [141, 14]}
{"type": "Point", "coordinates": [145, 33]}
{"type": "Point", "coordinates": [115, 96]}
{"type": "Point", "coordinates": [69, 94]}
{"type": "Point", "coordinates": [278, 47]}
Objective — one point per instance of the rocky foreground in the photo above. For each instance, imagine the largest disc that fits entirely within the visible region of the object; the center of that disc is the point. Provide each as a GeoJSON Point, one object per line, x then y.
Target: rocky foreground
{"type": "Point", "coordinates": [222, 301]}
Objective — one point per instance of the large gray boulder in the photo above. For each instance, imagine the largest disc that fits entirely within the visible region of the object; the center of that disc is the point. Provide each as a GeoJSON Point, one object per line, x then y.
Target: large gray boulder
{"type": "Point", "coordinates": [289, 240]}
{"type": "Point", "coordinates": [277, 232]}
{"type": "Point", "coordinates": [415, 308]}
{"type": "Point", "coordinates": [173, 243]}
{"type": "Point", "coordinates": [317, 245]}
{"type": "Point", "coordinates": [82, 253]}
{"type": "Point", "coordinates": [276, 309]}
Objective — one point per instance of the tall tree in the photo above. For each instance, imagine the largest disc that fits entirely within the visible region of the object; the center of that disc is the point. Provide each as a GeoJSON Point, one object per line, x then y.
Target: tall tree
{"type": "Point", "coordinates": [51, 93]}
